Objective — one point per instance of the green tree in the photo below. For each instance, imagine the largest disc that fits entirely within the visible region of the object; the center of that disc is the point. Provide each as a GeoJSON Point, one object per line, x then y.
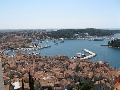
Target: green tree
{"type": "Point", "coordinates": [22, 84]}
{"type": "Point", "coordinates": [85, 86]}
{"type": "Point", "coordinates": [31, 82]}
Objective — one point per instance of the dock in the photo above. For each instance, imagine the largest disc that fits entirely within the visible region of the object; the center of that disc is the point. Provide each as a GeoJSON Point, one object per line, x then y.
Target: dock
{"type": "Point", "coordinates": [33, 48]}
{"type": "Point", "coordinates": [83, 56]}
{"type": "Point", "coordinates": [104, 45]}
{"type": "Point", "coordinates": [91, 55]}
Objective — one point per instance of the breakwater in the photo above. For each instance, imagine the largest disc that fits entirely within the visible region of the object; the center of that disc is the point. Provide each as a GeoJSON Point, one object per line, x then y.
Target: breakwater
{"type": "Point", "coordinates": [91, 54]}
{"type": "Point", "coordinates": [83, 56]}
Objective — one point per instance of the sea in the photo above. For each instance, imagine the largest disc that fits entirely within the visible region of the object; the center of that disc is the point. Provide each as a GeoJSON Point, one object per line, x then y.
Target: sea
{"type": "Point", "coordinates": [71, 47]}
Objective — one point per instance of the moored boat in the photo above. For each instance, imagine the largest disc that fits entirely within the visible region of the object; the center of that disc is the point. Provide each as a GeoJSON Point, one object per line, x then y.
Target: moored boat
{"type": "Point", "coordinates": [79, 55]}
{"type": "Point", "coordinates": [62, 40]}
{"type": "Point", "coordinates": [98, 39]}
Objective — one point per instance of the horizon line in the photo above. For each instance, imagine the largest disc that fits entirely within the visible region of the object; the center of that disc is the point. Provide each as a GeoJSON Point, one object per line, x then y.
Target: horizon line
{"type": "Point", "coordinates": [55, 28]}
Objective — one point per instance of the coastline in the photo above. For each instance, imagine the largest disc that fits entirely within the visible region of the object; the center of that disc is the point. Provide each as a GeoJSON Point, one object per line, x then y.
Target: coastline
{"type": "Point", "coordinates": [75, 46]}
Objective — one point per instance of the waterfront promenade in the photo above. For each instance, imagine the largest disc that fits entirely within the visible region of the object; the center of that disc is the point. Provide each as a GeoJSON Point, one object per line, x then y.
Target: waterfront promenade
{"type": "Point", "coordinates": [1, 77]}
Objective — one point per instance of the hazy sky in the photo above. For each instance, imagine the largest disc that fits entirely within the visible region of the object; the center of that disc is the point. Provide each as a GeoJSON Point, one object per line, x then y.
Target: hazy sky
{"type": "Point", "coordinates": [33, 14]}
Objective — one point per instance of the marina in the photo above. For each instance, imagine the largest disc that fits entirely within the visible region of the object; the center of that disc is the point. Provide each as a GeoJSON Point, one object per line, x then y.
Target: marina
{"type": "Point", "coordinates": [91, 54]}
{"type": "Point", "coordinates": [30, 48]}
{"type": "Point", "coordinates": [71, 47]}
{"type": "Point", "coordinates": [98, 39]}
{"type": "Point", "coordinates": [83, 56]}
{"type": "Point", "coordinates": [60, 45]}
{"type": "Point", "coordinates": [105, 53]}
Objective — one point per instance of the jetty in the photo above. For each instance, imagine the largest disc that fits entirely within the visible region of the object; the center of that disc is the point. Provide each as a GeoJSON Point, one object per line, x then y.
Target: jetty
{"type": "Point", "coordinates": [91, 54]}
{"type": "Point", "coordinates": [104, 45]}
{"type": "Point", "coordinates": [33, 48]}
{"type": "Point", "coordinates": [84, 57]}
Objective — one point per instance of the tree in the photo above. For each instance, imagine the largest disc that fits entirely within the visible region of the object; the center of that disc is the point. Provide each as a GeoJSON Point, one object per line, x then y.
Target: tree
{"type": "Point", "coordinates": [31, 82]}
{"type": "Point", "coordinates": [38, 86]}
{"type": "Point", "coordinates": [85, 86]}
{"type": "Point", "coordinates": [11, 87]}
{"type": "Point", "coordinates": [77, 68]}
{"type": "Point", "coordinates": [22, 84]}
{"type": "Point", "coordinates": [114, 43]}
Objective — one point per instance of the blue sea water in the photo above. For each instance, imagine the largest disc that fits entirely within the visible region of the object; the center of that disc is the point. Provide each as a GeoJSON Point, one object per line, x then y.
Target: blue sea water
{"type": "Point", "coordinates": [71, 47]}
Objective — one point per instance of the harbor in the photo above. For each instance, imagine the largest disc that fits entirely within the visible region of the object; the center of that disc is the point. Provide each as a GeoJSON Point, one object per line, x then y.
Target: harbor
{"type": "Point", "coordinates": [27, 49]}
{"type": "Point", "coordinates": [71, 47]}
{"type": "Point", "coordinates": [33, 48]}
{"type": "Point", "coordinates": [60, 45]}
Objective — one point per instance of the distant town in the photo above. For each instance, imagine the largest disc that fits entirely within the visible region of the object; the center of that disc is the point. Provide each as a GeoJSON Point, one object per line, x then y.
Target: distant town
{"type": "Point", "coordinates": [21, 39]}
{"type": "Point", "coordinates": [24, 71]}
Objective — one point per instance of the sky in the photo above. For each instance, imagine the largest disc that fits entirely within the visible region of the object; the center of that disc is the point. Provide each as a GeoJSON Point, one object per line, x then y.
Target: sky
{"type": "Point", "coordinates": [51, 14]}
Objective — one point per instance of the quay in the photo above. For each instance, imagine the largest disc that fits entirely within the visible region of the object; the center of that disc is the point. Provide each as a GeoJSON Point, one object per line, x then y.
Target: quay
{"type": "Point", "coordinates": [104, 45]}
{"type": "Point", "coordinates": [83, 56]}
{"type": "Point", "coordinates": [91, 54]}
{"type": "Point", "coordinates": [33, 48]}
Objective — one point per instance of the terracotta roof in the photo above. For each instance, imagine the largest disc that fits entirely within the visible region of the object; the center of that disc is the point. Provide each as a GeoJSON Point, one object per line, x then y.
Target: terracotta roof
{"type": "Point", "coordinates": [117, 86]}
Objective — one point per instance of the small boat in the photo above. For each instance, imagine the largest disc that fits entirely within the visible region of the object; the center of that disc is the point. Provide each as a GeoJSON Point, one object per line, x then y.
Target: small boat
{"type": "Point", "coordinates": [98, 39]}
{"type": "Point", "coordinates": [62, 40]}
{"type": "Point", "coordinates": [40, 41]}
{"type": "Point", "coordinates": [79, 55]}
{"type": "Point", "coordinates": [91, 39]}
{"type": "Point", "coordinates": [56, 43]}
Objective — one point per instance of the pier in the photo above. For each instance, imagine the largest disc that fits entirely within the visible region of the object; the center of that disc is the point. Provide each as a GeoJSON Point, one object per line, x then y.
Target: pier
{"type": "Point", "coordinates": [91, 54]}
{"type": "Point", "coordinates": [104, 45]}
{"type": "Point", "coordinates": [33, 48]}
{"type": "Point", "coordinates": [83, 56]}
